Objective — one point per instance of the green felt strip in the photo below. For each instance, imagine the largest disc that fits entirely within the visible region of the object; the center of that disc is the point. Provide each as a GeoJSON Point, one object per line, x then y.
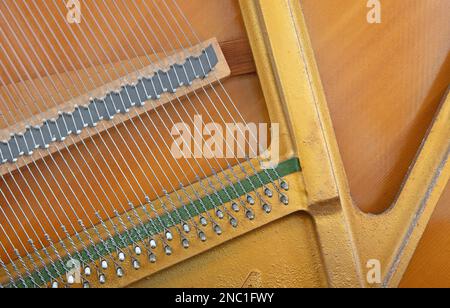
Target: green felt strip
{"type": "Point", "coordinates": [209, 202]}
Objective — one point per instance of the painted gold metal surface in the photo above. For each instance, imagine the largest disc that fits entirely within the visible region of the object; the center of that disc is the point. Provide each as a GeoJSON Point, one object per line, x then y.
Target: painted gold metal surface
{"type": "Point", "coordinates": [389, 238]}
{"type": "Point", "coordinates": [328, 242]}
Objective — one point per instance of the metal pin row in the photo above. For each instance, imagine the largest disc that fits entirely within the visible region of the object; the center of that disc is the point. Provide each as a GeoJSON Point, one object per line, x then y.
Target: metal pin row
{"type": "Point", "coordinates": [98, 109]}
{"type": "Point", "coordinates": [166, 236]}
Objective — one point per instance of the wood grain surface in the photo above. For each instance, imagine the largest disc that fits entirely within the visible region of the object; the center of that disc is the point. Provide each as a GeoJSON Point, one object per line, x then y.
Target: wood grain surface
{"type": "Point", "coordinates": [383, 84]}
{"type": "Point", "coordinates": [65, 169]}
